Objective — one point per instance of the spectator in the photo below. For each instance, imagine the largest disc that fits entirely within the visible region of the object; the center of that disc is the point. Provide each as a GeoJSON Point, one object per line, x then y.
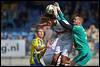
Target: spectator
{"type": "Point", "coordinates": [96, 49]}
{"type": "Point", "coordinates": [96, 43]}
{"type": "Point", "coordinates": [20, 37]}
{"type": "Point", "coordinates": [2, 36]}
{"type": "Point", "coordinates": [10, 36]}
{"type": "Point", "coordinates": [91, 35]}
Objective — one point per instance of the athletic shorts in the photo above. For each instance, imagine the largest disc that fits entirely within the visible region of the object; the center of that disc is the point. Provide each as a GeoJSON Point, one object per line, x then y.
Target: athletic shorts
{"type": "Point", "coordinates": [63, 46]}
{"type": "Point", "coordinates": [83, 57]}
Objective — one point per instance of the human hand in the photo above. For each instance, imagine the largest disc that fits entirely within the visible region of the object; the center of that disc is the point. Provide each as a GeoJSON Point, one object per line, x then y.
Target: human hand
{"type": "Point", "coordinates": [57, 5]}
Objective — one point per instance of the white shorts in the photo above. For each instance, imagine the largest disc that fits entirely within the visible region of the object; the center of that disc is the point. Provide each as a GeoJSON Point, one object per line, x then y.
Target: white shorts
{"type": "Point", "coordinates": [60, 44]}
{"type": "Point", "coordinates": [63, 46]}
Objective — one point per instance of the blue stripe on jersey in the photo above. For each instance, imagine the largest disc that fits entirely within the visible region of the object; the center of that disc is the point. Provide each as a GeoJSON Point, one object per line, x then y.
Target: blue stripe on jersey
{"type": "Point", "coordinates": [83, 57]}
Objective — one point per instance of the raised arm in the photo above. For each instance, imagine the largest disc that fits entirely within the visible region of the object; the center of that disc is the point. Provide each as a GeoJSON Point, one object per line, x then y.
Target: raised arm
{"type": "Point", "coordinates": [60, 17]}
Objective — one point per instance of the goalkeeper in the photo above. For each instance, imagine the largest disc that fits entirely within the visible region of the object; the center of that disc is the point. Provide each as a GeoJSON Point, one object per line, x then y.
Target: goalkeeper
{"type": "Point", "coordinates": [79, 38]}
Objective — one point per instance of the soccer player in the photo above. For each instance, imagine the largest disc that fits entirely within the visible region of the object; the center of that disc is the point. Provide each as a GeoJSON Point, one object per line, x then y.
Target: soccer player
{"type": "Point", "coordinates": [38, 48]}
{"type": "Point", "coordinates": [61, 45]}
{"type": "Point", "coordinates": [63, 42]}
{"type": "Point", "coordinates": [80, 41]}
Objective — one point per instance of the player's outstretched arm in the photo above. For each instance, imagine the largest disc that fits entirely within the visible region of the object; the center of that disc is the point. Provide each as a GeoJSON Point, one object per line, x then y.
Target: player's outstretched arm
{"type": "Point", "coordinates": [60, 17]}
{"type": "Point", "coordinates": [58, 7]}
{"type": "Point", "coordinates": [59, 13]}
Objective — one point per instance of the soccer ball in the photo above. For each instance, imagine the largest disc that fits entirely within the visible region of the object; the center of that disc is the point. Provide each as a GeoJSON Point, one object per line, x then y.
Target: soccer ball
{"type": "Point", "coordinates": [49, 9]}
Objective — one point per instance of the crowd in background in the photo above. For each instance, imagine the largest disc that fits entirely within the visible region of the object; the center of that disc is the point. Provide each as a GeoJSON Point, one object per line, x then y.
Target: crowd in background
{"type": "Point", "coordinates": [17, 18]}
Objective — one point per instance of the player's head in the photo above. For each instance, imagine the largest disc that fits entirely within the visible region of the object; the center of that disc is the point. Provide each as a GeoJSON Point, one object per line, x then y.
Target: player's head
{"type": "Point", "coordinates": [78, 20]}
{"type": "Point", "coordinates": [40, 32]}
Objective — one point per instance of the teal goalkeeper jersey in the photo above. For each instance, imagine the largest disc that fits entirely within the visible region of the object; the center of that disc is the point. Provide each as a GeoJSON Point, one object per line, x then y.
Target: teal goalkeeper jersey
{"type": "Point", "coordinates": [80, 38]}
{"type": "Point", "coordinates": [78, 32]}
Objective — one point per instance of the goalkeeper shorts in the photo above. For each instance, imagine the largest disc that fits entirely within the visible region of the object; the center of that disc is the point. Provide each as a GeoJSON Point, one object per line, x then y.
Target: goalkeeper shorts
{"type": "Point", "coordinates": [83, 57]}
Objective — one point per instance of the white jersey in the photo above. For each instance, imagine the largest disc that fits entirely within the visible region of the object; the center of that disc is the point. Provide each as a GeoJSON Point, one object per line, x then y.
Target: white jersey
{"type": "Point", "coordinates": [67, 36]}
{"type": "Point", "coordinates": [62, 43]}
{"type": "Point", "coordinates": [64, 40]}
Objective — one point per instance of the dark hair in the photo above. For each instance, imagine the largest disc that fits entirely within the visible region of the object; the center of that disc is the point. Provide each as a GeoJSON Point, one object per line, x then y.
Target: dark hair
{"type": "Point", "coordinates": [44, 19]}
{"type": "Point", "coordinates": [50, 16]}
{"type": "Point", "coordinates": [76, 13]}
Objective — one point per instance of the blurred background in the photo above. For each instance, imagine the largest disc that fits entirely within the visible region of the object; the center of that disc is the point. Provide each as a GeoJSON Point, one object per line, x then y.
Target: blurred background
{"type": "Point", "coordinates": [19, 19]}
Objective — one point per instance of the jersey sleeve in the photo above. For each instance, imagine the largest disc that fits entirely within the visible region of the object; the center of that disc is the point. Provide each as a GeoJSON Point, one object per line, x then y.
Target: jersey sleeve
{"type": "Point", "coordinates": [61, 19]}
